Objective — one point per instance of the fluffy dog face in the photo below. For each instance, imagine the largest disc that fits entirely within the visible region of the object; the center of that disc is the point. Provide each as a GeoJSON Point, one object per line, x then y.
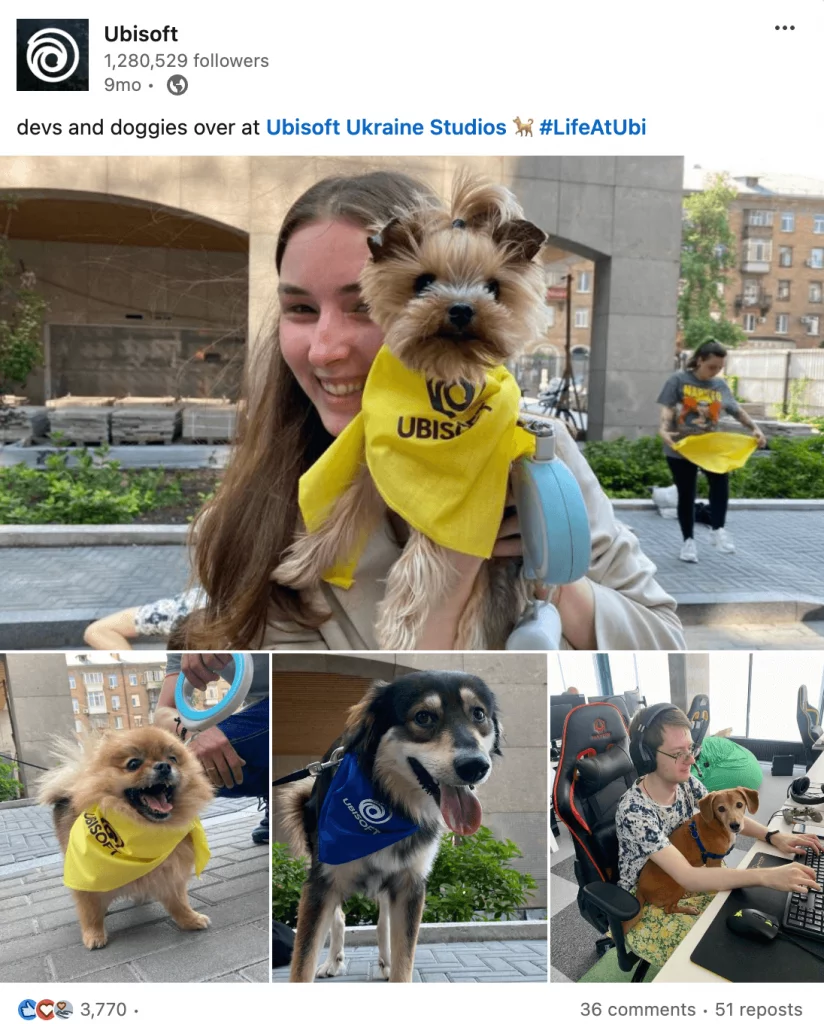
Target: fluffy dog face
{"type": "Point", "coordinates": [428, 740]}
{"type": "Point", "coordinates": [146, 774]}
{"type": "Point", "coordinates": [729, 807]}
{"type": "Point", "coordinates": [457, 293]}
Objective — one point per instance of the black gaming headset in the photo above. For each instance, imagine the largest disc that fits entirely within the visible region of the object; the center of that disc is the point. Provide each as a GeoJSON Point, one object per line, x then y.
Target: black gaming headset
{"type": "Point", "coordinates": [643, 756]}
{"type": "Point", "coordinates": [801, 793]}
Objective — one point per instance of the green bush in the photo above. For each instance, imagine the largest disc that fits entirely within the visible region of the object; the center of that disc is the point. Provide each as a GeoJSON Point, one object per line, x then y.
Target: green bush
{"type": "Point", "coordinates": [794, 468]}
{"type": "Point", "coordinates": [10, 788]}
{"type": "Point", "coordinates": [95, 491]}
{"type": "Point", "coordinates": [471, 878]}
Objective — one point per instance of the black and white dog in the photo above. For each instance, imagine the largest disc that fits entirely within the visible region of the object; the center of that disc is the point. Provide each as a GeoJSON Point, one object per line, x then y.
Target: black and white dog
{"type": "Point", "coordinates": [412, 752]}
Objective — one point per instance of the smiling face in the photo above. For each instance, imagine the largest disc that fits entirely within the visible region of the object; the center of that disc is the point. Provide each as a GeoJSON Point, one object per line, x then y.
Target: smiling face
{"type": "Point", "coordinates": [674, 740]}
{"type": "Point", "coordinates": [326, 335]}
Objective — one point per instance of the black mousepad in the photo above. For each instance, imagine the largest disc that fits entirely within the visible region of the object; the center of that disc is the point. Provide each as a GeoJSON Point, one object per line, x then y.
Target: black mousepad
{"type": "Point", "coordinates": [739, 958]}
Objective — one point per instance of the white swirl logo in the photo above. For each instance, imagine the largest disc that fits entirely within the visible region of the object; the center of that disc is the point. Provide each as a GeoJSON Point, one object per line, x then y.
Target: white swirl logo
{"type": "Point", "coordinates": [50, 58]}
{"type": "Point", "coordinates": [373, 812]}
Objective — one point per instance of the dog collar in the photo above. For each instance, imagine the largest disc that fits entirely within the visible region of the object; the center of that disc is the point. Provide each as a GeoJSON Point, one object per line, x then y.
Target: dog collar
{"type": "Point", "coordinates": [705, 854]}
{"type": "Point", "coordinates": [353, 823]}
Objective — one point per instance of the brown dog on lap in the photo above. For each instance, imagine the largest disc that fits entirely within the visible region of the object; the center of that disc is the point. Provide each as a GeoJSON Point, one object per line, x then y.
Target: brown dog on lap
{"type": "Point", "coordinates": [704, 840]}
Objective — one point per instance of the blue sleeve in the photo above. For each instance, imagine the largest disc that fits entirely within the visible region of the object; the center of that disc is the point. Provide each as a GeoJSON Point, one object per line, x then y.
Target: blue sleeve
{"type": "Point", "coordinates": [670, 392]}
{"type": "Point", "coordinates": [731, 406]}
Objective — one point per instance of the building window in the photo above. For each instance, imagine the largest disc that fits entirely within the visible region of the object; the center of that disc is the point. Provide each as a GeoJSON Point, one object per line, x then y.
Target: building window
{"type": "Point", "coordinates": [138, 721]}
{"type": "Point", "coordinates": [118, 722]}
{"type": "Point", "coordinates": [92, 677]}
{"type": "Point", "coordinates": [783, 289]}
{"type": "Point", "coordinates": [816, 259]}
{"type": "Point", "coordinates": [115, 703]}
{"type": "Point", "coordinates": [582, 318]}
{"type": "Point", "coordinates": [813, 324]}
{"type": "Point", "coordinates": [815, 291]}
{"type": "Point", "coordinates": [585, 281]}
{"type": "Point", "coordinates": [75, 706]}
{"type": "Point", "coordinates": [132, 679]}
{"type": "Point", "coordinates": [72, 683]}
{"type": "Point", "coordinates": [751, 289]}
{"type": "Point", "coordinates": [785, 256]}
{"type": "Point", "coordinates": [749, 322]}
{"type": "Point", "coordinates": [761, 218]}
{"type": "Point", "coordinates": [112, 682]}
{"type": "Point", "coordinates": [782, 323]}
{"type": "Point", "coordinates": [135, 700]}
{"type": "Point", "coordinates": [550, 316]}
{"type": "Point", "coordinates": [78, 725]}
{"type": "Point", "coordinates": [758, 250]}
{"type": "Point", "coordinates": [554, 279]}
{"type": "Point", "coordinates": [788, 222]}
{"type": "Point", "coordinates": [97, 700]}
{"type": "Point", "coordinates": [818, 224]}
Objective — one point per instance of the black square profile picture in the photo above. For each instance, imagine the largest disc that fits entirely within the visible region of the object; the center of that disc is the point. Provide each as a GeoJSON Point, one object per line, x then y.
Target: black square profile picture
{"type": "Point", "coordinates": [52, 55]}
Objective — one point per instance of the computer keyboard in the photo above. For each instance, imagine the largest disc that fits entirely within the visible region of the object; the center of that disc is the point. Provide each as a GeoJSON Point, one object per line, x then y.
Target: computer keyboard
{"type": "Point", "coordinates": [804, 913]}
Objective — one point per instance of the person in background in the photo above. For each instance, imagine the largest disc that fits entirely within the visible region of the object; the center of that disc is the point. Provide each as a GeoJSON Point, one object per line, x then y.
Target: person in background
{"type": "Point", "coordinates": [157, 618]}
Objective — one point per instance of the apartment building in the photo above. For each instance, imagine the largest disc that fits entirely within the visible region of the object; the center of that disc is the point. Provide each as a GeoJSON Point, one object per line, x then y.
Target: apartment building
{"type": "Point", "coordinates": [775, 292]}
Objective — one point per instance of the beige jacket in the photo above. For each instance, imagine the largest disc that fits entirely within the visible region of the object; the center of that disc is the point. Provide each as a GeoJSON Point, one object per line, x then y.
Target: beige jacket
{"type": "Point", "coordinates": [632, 612]}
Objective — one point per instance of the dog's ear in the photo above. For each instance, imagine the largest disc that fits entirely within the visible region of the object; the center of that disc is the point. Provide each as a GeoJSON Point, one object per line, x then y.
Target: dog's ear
{"type": "Point", "coordinates": [499, 734]}
{"type": "Point", "coordinates": [705, 806]}
{"type": "Point", "coordinates": [750, 797]}
{"type": "Point", "coordinates": [360, 735]}
{"type": "Point", "coordinates": [398, 236]}
{"type": "Point", "coordinates": [521, 239]}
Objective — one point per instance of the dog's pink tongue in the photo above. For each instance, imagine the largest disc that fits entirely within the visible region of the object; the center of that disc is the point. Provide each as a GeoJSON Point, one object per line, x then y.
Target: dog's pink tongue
{"type": "Point", "coordinates": [158, 803]}
{"type": "Point", "coordinates": [461, 810]}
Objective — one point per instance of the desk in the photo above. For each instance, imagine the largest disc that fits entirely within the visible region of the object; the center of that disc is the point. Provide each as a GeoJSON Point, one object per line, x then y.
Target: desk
{"type": "Point", "coordinates": [679, 967]}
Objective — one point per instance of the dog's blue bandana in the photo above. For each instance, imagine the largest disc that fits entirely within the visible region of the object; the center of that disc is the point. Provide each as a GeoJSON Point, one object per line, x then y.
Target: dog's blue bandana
{"type": "Point", "coordinates": [353, 823]}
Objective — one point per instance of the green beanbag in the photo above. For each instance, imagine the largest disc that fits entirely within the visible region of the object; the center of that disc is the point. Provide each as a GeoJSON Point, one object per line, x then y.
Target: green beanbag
{"type": "Point", "coordinates": [724, 765]}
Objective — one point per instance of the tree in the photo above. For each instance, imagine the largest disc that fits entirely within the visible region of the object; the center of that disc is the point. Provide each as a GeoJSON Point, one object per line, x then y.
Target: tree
{"type": "Point", "coordinates": [21, 316]}
{"type": "Point", "coordinates": [708, 252]}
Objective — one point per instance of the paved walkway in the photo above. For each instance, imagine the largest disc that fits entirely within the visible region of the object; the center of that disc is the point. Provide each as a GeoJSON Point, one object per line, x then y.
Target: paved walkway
{"type": "Point", "coordinates": [451, 962]}
{"type": "Point", "coordinates": [40, 937]}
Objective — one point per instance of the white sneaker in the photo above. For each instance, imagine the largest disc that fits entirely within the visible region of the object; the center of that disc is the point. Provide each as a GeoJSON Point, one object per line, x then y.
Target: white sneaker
{"type": "Point", "coordinates": [688, 552]}
{"type": "Point", "coordinates": [721, 540]}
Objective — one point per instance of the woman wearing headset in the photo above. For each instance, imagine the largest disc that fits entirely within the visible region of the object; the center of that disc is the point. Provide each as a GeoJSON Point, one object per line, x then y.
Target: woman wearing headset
{"type": "Point", "coordinates": [666, 795]}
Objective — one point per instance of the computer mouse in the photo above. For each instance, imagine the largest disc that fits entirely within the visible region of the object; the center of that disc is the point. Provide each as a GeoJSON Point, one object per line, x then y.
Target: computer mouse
{"type": "Point", "coordinates": [754, 924]}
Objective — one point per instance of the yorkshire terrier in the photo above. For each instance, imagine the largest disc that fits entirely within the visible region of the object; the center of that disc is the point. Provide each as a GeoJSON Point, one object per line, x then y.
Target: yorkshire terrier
{"type": "Point", "coordinates": [457, 291]}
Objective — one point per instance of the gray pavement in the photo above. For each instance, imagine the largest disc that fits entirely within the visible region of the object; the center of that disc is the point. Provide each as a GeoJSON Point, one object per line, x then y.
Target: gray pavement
{"type": "Point", "coordinates": [450, 962]}
{"type": "Point", "coordinates": [40, 936]}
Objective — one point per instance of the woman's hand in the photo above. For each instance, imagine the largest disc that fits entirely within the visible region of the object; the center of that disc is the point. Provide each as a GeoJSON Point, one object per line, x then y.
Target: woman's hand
{"type": "Point", "coordinates": [759, 436]}
{"type": "Point", "coordinates": [790, 878]}
{"type": "Point", "coordinates": [223, 764]}
{"type": "Point", "coordinates": [668, 437]}
{"type": "Point", "coordinates": [202, 669]}
{"type": "Point", "coordinates": [790, 844]}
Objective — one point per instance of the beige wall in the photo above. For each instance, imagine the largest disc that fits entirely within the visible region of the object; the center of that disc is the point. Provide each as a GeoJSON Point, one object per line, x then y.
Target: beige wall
{"type": "Point", "coordinates": [515, 798]}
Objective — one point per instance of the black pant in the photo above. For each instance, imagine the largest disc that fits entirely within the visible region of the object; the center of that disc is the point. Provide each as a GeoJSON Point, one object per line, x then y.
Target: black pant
{"type": "Point", "coordinates": [685, 475]}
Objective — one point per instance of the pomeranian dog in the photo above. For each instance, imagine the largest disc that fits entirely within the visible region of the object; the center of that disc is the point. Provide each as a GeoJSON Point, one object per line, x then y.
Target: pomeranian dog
{"type": "Point", "coordinates": [457, 291]}
{"type": "Point", "coordinates": [125, 812]}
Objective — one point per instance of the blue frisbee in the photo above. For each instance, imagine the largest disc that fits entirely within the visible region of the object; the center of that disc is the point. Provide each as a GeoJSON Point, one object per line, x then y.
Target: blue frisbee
{"type": "Point", "coordinates": [193, 718]}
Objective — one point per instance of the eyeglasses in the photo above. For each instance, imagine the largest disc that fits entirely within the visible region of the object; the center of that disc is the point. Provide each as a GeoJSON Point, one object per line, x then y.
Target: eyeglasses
{"type": "Point", "coordinates": [684, 756]}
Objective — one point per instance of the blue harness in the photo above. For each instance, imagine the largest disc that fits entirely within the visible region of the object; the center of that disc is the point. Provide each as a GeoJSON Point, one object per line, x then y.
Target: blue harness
{"type": "Point", "coordinates": [353, 823]}
{"type": "Point", "coordinates": [705, 854]}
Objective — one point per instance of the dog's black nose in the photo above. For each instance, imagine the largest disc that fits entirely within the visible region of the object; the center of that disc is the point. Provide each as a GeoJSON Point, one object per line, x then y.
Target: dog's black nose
{"type": "Point", "coordinates": [163, 768]}
{"type": "Point", "coordinates": [735, 826]}
{"type": "Point", "coordinates": [471, 769]}
{"type": "Point", "coordinates": [460, 314]}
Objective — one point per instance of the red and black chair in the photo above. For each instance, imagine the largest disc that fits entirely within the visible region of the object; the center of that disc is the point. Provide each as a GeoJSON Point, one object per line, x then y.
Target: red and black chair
{"type": "Point", "coordinates": [593, 773]}
{"type": "Point", "coordinates": [808, 725]}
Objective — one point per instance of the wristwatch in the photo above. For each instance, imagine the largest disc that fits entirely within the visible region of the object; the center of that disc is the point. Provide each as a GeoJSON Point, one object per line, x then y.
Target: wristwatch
{"type": "Point", "coordinates": [769, 835]}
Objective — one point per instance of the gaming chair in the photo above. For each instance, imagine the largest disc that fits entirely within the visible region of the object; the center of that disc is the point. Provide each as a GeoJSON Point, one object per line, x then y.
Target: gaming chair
{"type": "Point", "coordinates": [699, 716]}
{"type": "Point", "coordinates": [807, 717]}
{"type": "Point", "coordinates": [593, 773]}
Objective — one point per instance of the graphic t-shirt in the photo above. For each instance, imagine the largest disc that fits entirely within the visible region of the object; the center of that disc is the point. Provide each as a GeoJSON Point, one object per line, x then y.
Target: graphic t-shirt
{"type": "Point", "coordinates": [643, 826]}
{"type": "Point", "coordinates": [698, 404]}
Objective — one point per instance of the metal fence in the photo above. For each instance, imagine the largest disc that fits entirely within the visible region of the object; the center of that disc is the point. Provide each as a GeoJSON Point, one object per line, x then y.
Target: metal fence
{"type": "Point", "coordinates": [784, 380]}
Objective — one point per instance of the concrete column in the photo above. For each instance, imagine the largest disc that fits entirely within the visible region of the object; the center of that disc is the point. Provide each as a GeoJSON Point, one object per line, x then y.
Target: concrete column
{"type": "Point", "coordinates": [41, 708]}
{"type": "Point", "coordinates": [689, 676]}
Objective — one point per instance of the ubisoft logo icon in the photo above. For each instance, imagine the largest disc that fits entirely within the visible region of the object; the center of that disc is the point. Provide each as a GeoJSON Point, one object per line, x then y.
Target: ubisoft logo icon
{"type": "Point", "coordinates": [50, 58]}
{"type": "Point", "coordinates": [373, 812]}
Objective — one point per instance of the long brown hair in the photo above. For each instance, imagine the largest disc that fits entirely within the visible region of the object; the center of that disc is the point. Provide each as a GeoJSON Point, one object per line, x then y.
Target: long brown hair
{"type": "Point", "coordinates": [242, 533]}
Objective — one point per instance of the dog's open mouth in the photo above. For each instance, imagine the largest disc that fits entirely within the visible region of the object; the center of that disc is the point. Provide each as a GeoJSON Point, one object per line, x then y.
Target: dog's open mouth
{"type": "Point", "coordinates": [155, 802]}
{"type": "Point", "coordinates": [460, 808]}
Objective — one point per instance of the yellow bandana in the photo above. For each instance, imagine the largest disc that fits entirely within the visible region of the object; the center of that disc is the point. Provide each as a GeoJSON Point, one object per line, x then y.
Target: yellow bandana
{"type": "Point", "coordinates": [717, 451]}
{"type": "Point", "coordinates": [109, 850]}
{"type": "Point", "coordinates": [439, 456]}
